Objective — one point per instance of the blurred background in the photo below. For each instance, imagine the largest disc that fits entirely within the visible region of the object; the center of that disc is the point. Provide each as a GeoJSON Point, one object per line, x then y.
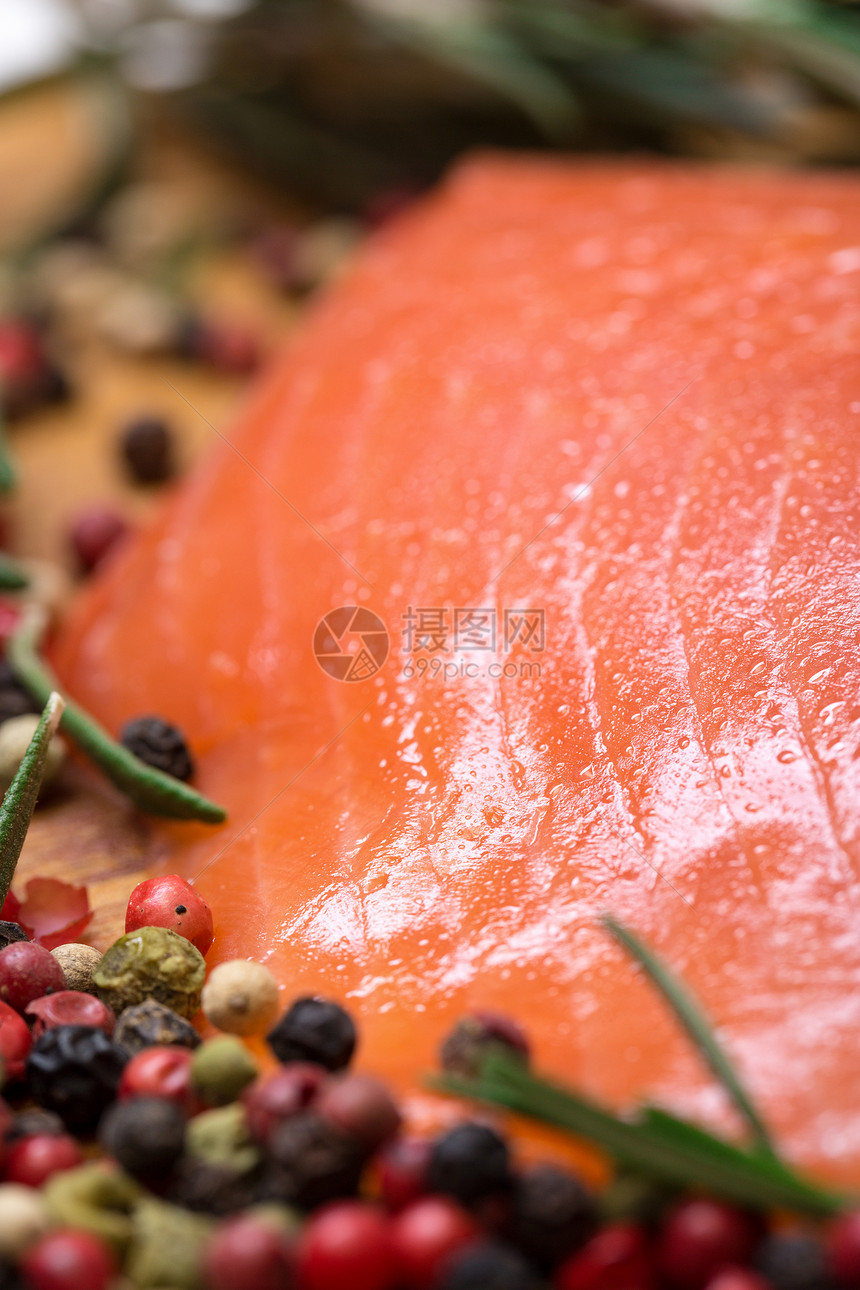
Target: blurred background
{"type": "Point", "coordinates": [178, 178]}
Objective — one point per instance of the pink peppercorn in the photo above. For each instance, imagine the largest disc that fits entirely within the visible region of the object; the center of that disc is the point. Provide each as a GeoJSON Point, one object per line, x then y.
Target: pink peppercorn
{"type": "Point", "coordinates": [93, 533]}
{"type": "Point", "coordinates": [70, 1008]}
{"type": "Point", "coordinates": [15, 1042]}
{"type": "Point", "coordinates": [169, 901]}
{"type": "Point", "coordinates": [69, 1260]}
{"type": "Point", "coordinates": [27, 972]}
{"type": "Point", "coordinates": [33, 1160]}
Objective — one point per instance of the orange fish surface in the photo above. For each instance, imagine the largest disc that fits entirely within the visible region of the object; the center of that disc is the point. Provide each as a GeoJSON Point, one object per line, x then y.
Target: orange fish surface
{"type": "Point", "coordinates": [587, 439]}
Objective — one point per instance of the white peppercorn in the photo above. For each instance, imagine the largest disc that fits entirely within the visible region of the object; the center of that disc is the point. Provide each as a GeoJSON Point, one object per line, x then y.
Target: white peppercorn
{"type": "Point", "coordinates": [241, 997]}
{"type": "Point", "coordinates": [15, 736]}
{"type": "Point", "coordinates": [78, 963]}
{"type": "Point", "coordinates": [24, 1218]}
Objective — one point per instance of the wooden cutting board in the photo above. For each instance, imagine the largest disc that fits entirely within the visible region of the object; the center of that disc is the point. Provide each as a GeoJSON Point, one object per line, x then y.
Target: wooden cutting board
{"type": "Point", "coordinates": [67, 457]}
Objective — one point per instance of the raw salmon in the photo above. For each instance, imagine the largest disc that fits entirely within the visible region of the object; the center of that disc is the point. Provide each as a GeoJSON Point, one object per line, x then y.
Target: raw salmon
{"type": "Point", "coordinates": [585, 439]}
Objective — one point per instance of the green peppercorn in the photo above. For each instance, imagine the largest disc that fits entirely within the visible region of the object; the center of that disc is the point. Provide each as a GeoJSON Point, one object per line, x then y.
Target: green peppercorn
{"type": "Point", "coordinates": [220, 1069]}
{"type": "Point", "coordinates": [151, 963]}
{"type": "Point", "coordinates": [167, 1246]}
{"type": "Point", "coordinates": [97, 1197]}
{"type": "Point", "coordinates": [221, 1137]}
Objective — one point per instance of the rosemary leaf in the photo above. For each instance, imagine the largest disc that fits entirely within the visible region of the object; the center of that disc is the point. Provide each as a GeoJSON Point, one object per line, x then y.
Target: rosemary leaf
{"type": "Point", "coordinates": [697, 1026]}
{"type": "Point", "coordinates": [20, 800]}
{"type": "Point", "coordinates": [150, 789]}
{"type": "Point", "coordinates": [665, 1149]}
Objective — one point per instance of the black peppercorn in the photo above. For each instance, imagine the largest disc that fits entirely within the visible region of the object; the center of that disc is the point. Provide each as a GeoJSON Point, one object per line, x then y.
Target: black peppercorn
{"type": "Point", "coordinates": [151, 1023]}
{"type": "Point", "coordinates": [211, 1189]}
{"type": "Point", "coordinates": [159, 744]}
{"type": "Point", "coordinates": [314, 1030]}
{"type": "Point", "coordinates": [489, 1266]}
{"type": "Point", "coordinates": [793, 1261]}
{"type": "Point", "coordinates": [145, 1134]}
{"type": "Point", "coordinates": [75, 1070]}
{"type": "Point", "coordinates": [147, 450]}
{"type": "Point", "coordinates": [10, 1278]}
{"type": "Point", "coordinates": [477, 1036]}
{"type": "Point", "coordinates": [469, 1162]}
{"type": "Point", "coordinates": [310, 1162]}
{"type": "Point", "coordinates": [553, 1214]}
{"type": "Point", "coordinates": [15, 701]}
{"type": "Point", "coordinates": [11, 932]}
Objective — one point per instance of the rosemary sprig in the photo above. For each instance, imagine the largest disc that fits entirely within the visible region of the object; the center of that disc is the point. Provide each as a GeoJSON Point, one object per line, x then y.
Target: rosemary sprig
{"type": "Point", "coordinates": [657, 1144]}
{"type": "Point", "coordinates": [8, 473]}
{"type": "Point", "coordinates": [149, 789]}
{"type": "Point", "coordinates": [692, 1018]}
{"type": "Point", "coordinates": [20, 800]}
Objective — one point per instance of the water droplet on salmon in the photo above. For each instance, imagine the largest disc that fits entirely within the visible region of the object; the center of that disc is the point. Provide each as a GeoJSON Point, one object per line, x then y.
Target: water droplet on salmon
{"type": "Point", "coordinates": [684, 741]}
{"type": "Point", "coordinates": [786, 756]}
{"type": "Point", "coordinates": [817, 677]}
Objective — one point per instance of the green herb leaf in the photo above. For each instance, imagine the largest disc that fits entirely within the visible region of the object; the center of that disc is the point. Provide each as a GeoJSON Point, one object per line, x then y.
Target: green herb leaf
{"type": "Point", "coordinates": [658, 1145]}
{"type": "Point", "coordinates": [8, 474]}
{"type": "Point", "coordinates": [20, 800]}
{"type": "Point", "coordinates": [696, 1024]}
{"type": "Point", "coordinates": [148, 788]}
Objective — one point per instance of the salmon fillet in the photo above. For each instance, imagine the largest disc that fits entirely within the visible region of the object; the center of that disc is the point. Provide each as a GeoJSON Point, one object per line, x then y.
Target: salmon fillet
{"type": "Point", "coordinates": [610, 412]}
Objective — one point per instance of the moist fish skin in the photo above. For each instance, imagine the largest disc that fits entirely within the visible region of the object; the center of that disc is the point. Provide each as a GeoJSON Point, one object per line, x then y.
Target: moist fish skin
{"type": "Point", "coordinates": [625, 396]}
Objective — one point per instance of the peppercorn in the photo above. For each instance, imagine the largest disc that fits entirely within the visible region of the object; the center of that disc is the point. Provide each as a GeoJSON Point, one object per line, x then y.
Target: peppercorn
{"type": "Point", "coordinates": [24, 1217]}
{"type": "Point", "coordinates": [15, 736]}
{"type": "Point", "coordinates": [146, 1135]}
{"type": "Point", "coordinates": [78, 963]}
{"type": "Point", "coordinates": [469, 1162]}
{"type": "Point", "coordinates": [240, 997]}
{"type": "Point", "coordinates": [27, 972]}
{"type": "Point", "coordinates": [478, 1035]}
{"type": "Point", "coordinates": [314, 1030]}
{"type": "Point", "coordinates": [152, 962]}
{"type": "Point", "coordinates": [553, 1214]}
{"type": "Point", "coordinates": [147, 450]}
{"type": "Point", "coordinates": [210, 1189]}
{"type": "Point", "coordinates": [69, 1260]}
{"type": "Point", "coordinates": [310, 1162]}
{"type": "Point", "coordinates": [489, 1266]}
{"type": "Point", "coordinates": [75, 1070]}
{"type": "Point", "coordinates": [9, 1278]}
{"type": "Point", "coordinates": [170, 901]}
{"type": "Point", "coordinates": [151, 1024]}
{"type": "Point", "coordinates": [10, 933]}
{"type": "Point", "coordinates": [361, 1106]}
{"type": "Point", "coordinates": [221, 1137]}
{"type": "Point", "coordinates": [220, 1069]}
{"type": "Point", "coordinates": [167, 1246]}
{"type": "Point", "coordinates": [93, 534]}
{"type": "Point", "coordinates": [159, 744]}
{"type": "Point", "coordinates": [15, 700]}
{"type": "Point", "coordinates": [69, 1008]}
{"type": "Point", "coordinates": [792, 1261]}
{"type": "Point", "coordinates": [97, 1197]}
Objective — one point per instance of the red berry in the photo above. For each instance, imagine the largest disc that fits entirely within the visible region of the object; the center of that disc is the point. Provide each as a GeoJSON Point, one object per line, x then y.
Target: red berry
{"type": "Point", "coordinates": [33, 1160]}
{"type": "Point", "coordinates": [11, 911]}
{"type": "Point", "coordinates": [15, 1042]}
{"type": "Point", "coordinates": [617, 1258]}
{"type": "Point", "coordinates": [69, 1260]}
{"type": "Point", "coordinates": [70, 1008]}
{"type": "Point", "coordinates": [733, 1278]}
{"type": "Point", "coordinates": [699, 1238]}
{"type": "Point", "coordinates": [227, 348]}
{"type": "Point", "coordinates": [248, 1252]}
{"type": "Point", "coordinates": [361, 1106]}
{"type": "Point", "coordinates": [403, 1171]}
{"type": "Point", "coordinates": [347, 1244]}
{"type": "Point", "coordinates": [159, 1072]}
{"type": "Point", "coordinates": [94, 533]}
{"type": "Point", "coordinates": [425, 1235]}
{"type": "Point", "coordinates": [843, 1245]}
{"type": "Point", "coordinates": [27, 972]}
{"type": "Point", "coordinates": [170, 901]}
{"type": "Point", "coordinates": [277, 1097]}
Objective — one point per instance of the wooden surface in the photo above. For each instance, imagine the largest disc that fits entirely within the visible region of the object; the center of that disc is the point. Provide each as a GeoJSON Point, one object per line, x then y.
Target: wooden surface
{"type": "Point", "coordinates": [67, 457]}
